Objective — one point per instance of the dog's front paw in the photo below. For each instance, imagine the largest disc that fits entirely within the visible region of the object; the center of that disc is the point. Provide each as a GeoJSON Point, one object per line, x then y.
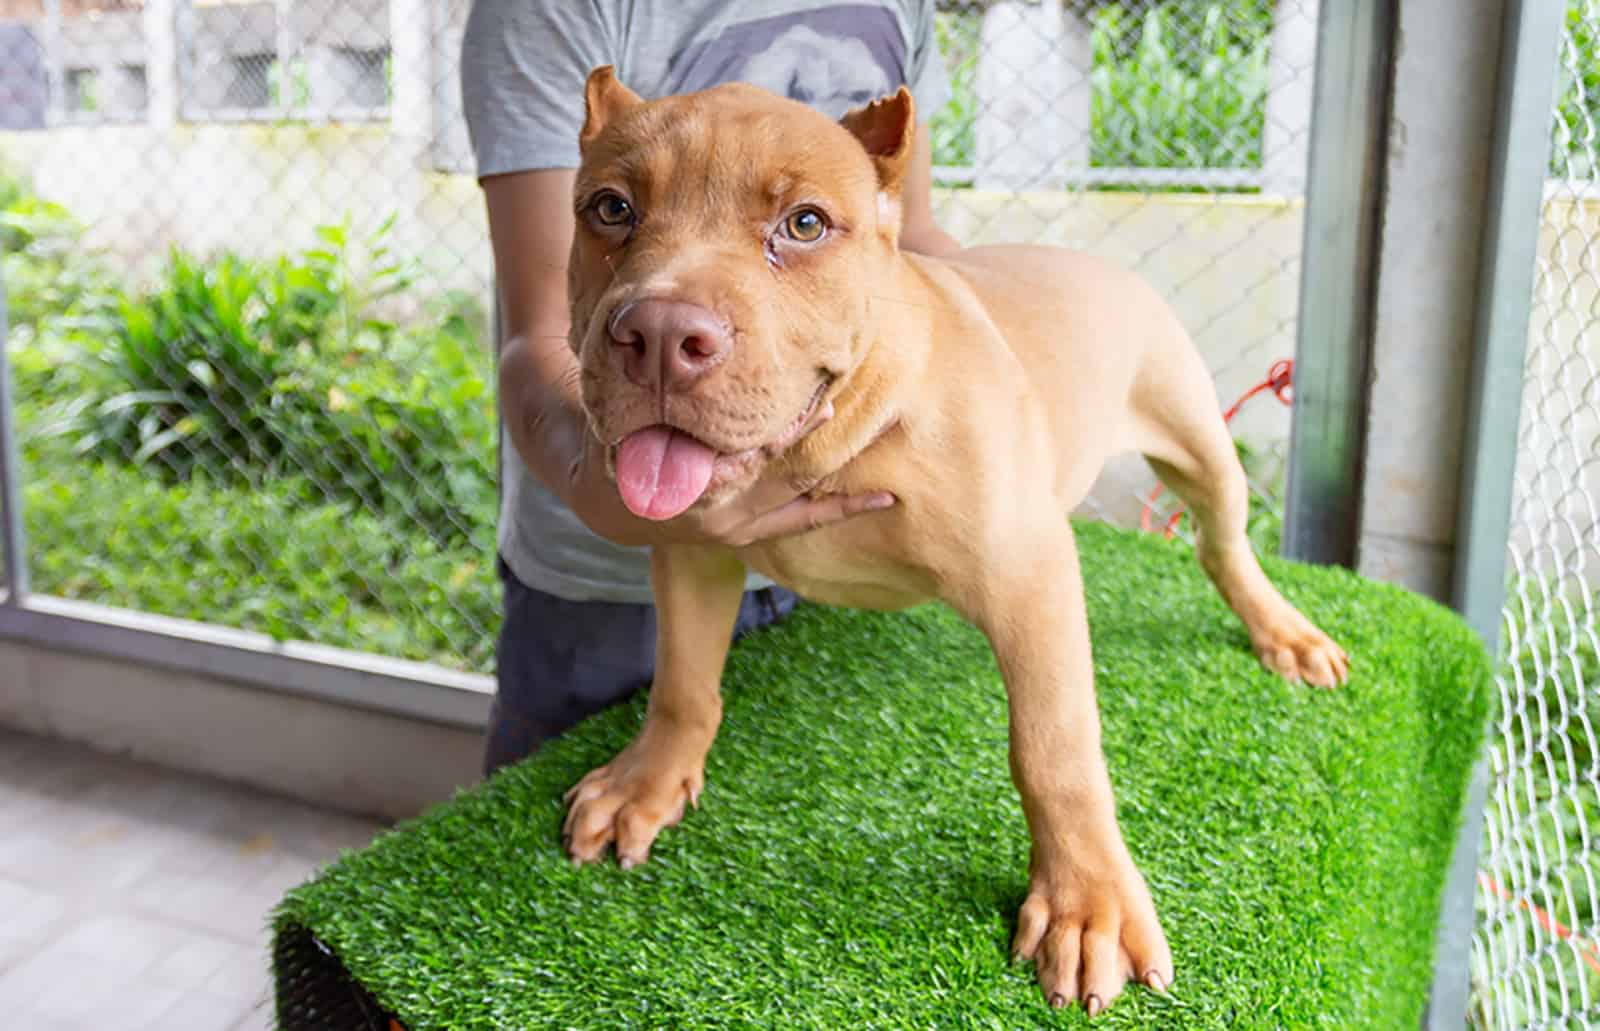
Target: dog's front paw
{"type": "Point", "coordinates": [630, 800]}
{"type": "Point", "coordinates": [1296, 650]}
{"type": "Point", "coordinates": [1089, 928]}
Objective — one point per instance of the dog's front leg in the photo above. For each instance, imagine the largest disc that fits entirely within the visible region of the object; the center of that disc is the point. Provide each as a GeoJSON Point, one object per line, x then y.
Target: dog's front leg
{"type": "Point", "coordinates": [1088, 922]}
{"type": "Point", "coordinates": [629, 800]}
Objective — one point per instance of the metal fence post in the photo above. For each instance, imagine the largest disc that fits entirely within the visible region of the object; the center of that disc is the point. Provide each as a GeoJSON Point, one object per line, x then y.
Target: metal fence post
{"type": "Point", "coordinates": [1519, 166]}
{"type": "Point", "coordinates": [287, 47]}
{"type": "Point", "coordinates": [54, 75]}
{"type": "Point", "coordinates": [1286, 130]}
{"type": "Point", "coordinates": [161, 62]}
{"type": "Point", "coordinates": [411, 35]}
{"type": "Point", "coordinates": [12, 547]}
{"type": "Point", "coordinates": [1510, 254]}
{"type": "Point", "coordinates": [1344, 187]}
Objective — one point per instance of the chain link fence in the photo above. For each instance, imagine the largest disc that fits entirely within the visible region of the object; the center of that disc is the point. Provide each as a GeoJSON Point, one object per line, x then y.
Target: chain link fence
{"type": "Point", "coordinates": [249, 346]}
{"type": "Point", "coordinates": [1170, 136]}
{"type": "Point", "coordinates": [250, 281]}
{"type": "Point", "coordinates": [1536, 955]}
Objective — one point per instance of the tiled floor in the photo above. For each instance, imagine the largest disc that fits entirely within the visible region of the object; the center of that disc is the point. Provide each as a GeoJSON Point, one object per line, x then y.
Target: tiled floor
{"type": "Point", "coordinates": [134, 897]}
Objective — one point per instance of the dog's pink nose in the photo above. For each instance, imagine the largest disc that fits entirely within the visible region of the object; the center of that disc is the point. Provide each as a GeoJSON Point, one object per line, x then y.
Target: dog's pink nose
{"type": "Point", "coordinates": [668, 344]}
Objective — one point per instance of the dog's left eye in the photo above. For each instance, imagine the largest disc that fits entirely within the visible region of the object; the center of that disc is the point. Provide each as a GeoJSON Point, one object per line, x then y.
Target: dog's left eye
{"type": "Point", "coordinates": [806, 225]}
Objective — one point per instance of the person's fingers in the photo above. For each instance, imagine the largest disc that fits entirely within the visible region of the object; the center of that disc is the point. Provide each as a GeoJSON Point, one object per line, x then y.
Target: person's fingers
{"type": "Point", "coordinates": [805, 514]}
{"type": "Point", "coordinates": [766, 495]}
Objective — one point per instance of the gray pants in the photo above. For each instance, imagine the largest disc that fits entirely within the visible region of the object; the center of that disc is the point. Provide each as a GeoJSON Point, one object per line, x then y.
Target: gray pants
{"type": "Point", "coordinates": [561, 661]}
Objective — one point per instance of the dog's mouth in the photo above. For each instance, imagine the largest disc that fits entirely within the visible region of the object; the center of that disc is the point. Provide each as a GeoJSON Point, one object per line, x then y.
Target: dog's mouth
{"type": "Point", "coordinates": [662, 470]}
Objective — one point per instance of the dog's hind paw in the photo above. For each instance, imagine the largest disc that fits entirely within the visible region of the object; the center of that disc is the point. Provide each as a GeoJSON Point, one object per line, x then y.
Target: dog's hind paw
{"type": "Point", "coordinates": [1297, 651]}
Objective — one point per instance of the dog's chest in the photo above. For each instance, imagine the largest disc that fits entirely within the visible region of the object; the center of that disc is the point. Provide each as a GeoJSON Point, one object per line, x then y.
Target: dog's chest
{"type": "Point", "coordinates": [845, 565]}
{"type": "Point", "coordinates": [876, 560]}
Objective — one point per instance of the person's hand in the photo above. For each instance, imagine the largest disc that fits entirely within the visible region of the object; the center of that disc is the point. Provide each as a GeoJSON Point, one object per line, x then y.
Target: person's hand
{"type": "Point", "coordinates": [768, 510]}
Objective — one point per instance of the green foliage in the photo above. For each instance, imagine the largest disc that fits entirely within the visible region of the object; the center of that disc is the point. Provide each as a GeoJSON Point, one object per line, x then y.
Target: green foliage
{"type": "Point", "coordinates": [53, 289]}
{"type": "Point", "coordinates": [1178, 94]}
{"type": "Point", "coordinates": [253, 372]}
{"type": "Point", "coordinates": [953, 127]}
{"type": "Point", "coordinates": [259, 558]}
{"type": "Point", "coordinates": [1548, 807]}
{"type": "Point", "coordinates": [1176, 84]}
{"type": "Point", "coordinates": [860, 853]}
{"type": "Point", "coordinates": [1183, 83]}
{"type": "Point", "coordinates": [252, 443]}
{"type": "Point", "coordinates": [1575, 150]}
{"type": "Point", "coordinates": [288, 83]}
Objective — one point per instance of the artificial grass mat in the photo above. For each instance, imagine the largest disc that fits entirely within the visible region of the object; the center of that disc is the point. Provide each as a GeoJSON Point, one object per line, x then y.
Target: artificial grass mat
{"type": "Point", "coordinates": [860, 852]}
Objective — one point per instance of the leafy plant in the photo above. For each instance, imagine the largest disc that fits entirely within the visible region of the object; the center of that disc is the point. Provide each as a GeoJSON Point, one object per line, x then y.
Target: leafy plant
{"type": "Point", "coordinates": [1166, 100]}
{"type": "Point", "coordinates": [260, 371]}
{"type": "Point", "coordinates": [953, 127]}
{"type": "Point", "coordinates": [51, 283]}
{"type": "Point", "coordinates": [1575, 148]}
{"type": "Point", "coordinates": [1546, 795]}
{"type": "Point", "coordinates": [58, 295]}
{"type": "Point", "coordinates": [262, 558]}
{"type": "Point", "coordinates": [1175, 84]}
{"type": "Point", "coordinates": [288, 83]}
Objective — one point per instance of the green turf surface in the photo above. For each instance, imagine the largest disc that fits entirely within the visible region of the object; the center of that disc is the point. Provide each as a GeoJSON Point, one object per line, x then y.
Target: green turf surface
{"type": "Point", "coordinates": [860, 852]}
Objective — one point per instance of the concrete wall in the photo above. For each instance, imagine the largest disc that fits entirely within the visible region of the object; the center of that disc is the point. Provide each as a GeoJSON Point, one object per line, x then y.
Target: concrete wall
{"type": "Point", "coordinates": [22, 78]}
{"type": "Point", "coordinates": [357, 760]}
{"type": "Point", "coordinates": [257, 189]}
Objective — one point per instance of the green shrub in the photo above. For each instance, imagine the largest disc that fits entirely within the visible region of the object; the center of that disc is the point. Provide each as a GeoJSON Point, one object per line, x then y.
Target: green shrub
{"type": "Point", "coordinates": [53, 287]}
{"type": "Point", "coordinates": [953, 127]}
{"type": "Point", "coordinates": [1546, 797]}
{"type": "Point", "coordinates": [1182, 84]}
{"type": "Point", "coordinates": [253, 372]}
{"type": "Point", "coordinates": [1179, 94]}
{"type": "Point", "coordinates": [1175, 84]}
{"type": "Point", "coordinates": [259, 558]}
{"type": "Point", "coordinates": [1575, 149]}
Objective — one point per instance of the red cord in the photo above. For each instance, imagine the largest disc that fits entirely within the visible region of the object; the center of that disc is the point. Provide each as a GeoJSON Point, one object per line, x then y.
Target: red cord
{"type": "Point", "coordinates": [1586, 950]}
{"type": "Point", "coordinates": [1280, 380]}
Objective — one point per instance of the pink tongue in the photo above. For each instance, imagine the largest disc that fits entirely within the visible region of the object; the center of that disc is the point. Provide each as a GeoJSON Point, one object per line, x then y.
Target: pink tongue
{"type": "Point", "coordinates": [661, 472]}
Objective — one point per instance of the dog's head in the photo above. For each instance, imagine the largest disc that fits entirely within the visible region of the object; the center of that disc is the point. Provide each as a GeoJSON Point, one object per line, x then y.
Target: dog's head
{"type": "Point", "coordinates": [726, 248]}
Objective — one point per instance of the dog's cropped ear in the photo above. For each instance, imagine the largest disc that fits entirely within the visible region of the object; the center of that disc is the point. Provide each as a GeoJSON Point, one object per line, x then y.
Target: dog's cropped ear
{"type": "Point", "coordinates": [885, 128]}
{"type": "Point", "coordinates": [605, 99]}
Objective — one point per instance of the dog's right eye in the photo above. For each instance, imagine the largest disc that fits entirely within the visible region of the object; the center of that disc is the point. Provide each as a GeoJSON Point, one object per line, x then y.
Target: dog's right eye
{"type": "Point", "coordinates": [611, 210]}
{"type": "Point", "coordinates": [805, 226]}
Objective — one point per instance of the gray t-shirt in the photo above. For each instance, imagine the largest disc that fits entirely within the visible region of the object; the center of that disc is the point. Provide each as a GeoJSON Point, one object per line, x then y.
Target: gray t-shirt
{"type": "Point", "coordinates": [523, 67]}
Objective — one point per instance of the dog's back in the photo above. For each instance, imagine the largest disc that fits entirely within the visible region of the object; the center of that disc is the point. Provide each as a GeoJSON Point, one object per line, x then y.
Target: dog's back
{"type": "Point", "coordinates": [1085, 333]}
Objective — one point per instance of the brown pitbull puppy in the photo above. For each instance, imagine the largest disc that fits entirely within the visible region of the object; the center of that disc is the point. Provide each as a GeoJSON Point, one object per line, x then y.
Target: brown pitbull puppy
{"type": "Point", "coordinates": [743, 317]}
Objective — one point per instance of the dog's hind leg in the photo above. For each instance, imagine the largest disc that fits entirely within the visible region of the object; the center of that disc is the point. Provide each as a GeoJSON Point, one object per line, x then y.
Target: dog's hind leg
{"type": "Point", "coordinates": [1186, 442]}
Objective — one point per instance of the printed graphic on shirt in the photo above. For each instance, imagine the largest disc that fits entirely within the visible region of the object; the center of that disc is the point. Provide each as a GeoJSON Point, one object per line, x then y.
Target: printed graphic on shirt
{"type": "Point", "coordinates": [833, 58]}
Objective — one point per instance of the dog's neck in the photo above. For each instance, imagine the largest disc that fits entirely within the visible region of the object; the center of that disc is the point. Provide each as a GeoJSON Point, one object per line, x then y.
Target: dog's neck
{"type": "Point", "coordinates": [867, 401]}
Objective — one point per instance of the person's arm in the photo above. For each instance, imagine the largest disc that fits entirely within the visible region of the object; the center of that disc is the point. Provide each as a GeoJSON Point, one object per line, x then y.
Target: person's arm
{"type": "Point", "coordinates": [530, 228]}
{"type": "Point", "coordinates": [919, 232]}
{"type": "Point", "coordinates": [929, 83]}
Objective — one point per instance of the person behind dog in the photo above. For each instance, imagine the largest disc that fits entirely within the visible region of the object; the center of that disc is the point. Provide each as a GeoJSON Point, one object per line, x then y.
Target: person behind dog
{"type": "Point", "coordinates": [578, 631]}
